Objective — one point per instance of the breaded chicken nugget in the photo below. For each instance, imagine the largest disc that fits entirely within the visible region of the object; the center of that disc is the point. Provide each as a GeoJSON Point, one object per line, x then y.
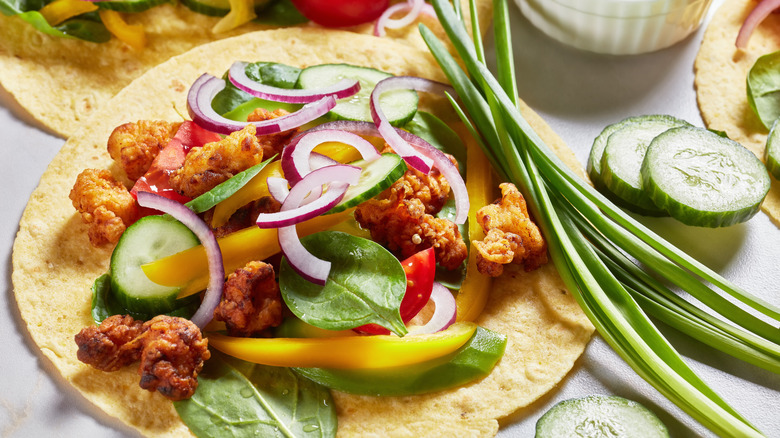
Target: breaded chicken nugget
{"type": "Point", "coordinates": [135, 145]}
{"type": "Point", "coordinates": [105, 205]}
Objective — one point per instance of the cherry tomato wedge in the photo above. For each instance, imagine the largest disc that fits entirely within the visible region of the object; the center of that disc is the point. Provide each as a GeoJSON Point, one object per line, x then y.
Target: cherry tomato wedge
{"type": "Point", "coordinates": [341, 13]}
{"type": "Point", "coordinates": [156, 179]}
{"type": "Point", "coordinates": [420, 271]}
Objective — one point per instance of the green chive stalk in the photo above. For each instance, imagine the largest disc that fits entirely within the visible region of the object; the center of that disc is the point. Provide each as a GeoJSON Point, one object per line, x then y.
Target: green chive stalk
{"type": "Point", "coordinates": [591, 241]}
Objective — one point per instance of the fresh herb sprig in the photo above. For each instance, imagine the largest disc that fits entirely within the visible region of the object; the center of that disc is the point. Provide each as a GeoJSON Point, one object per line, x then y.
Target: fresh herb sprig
{"type": "Point", "coordinates": [591, 242]}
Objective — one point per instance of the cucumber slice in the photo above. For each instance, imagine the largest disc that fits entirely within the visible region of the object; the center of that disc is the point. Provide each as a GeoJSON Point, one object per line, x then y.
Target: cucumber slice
{"type": "Point", "coordinates": [149, 239]}
{"type": "Point", "coordinates": [399, 106]}
{"type": "Point", "coordinates": [772, 153]}
{"type": "Point", "coordinates": [593, 165]}
{"type": "Point", "coordinates": [376, 176]}
{"type": "Point", "coordinates": [217, 8]}
{"type": "Point", "coordinates": [622, 160]}
{"type": "Point", "coordinates": [130, 6]}
{"type": "Point", "coordinates": [704, 179]}
{"type": "Point", "coordinates": [600, 416]}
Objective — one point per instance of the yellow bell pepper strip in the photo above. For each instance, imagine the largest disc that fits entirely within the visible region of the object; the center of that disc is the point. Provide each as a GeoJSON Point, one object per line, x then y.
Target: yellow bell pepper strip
{"type": "Point", "coordinates": [347, 352]}
{"type": "Point", "coordinates": [474, 291]}
{"type": "Point", "coordinates": [241, 11]}
{"type": "Point", "coordinates": [60, 10]}
{"type": "Point", "coordinates": [189, 269]}
{"type": "Point", "coordinates": [257, 187]}
{"type": "Point", "coordinates": [131, 34]}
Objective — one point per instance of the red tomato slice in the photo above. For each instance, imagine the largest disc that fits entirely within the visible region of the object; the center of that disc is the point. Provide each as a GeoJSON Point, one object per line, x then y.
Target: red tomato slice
{"type": "Point", "coordinates": [341, 13]}
{"type": "Point", "coordinates": [420, 271]}
{"type": "Point", "coordinates": [156, 179]}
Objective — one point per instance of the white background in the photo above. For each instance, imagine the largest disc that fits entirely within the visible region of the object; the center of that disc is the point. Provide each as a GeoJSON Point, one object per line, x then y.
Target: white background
{"type": "Point", "coordinates": [578, 93]}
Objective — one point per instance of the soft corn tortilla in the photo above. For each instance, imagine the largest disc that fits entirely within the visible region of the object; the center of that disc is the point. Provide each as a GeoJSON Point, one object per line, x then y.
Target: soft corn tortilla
{"type": "Point", "coordinates": [54, 265]}
{"type": "Point", "coordinates": [61, 82]}
{"type": "Point", "coordinates": [721, 73]}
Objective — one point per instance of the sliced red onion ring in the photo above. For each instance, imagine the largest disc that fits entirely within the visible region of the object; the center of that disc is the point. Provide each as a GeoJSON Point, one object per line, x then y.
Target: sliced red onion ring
{"type": "Point", "coordinates": [204, 89]}
{"type": "Point", "coordinates": [277, 187]}
{"type": "Point", "coordinates": [237, 75]}
{"type": "Point", "coordinates": [412, 9]}
{"type": "Point", "coordinates": [296, 156]}
{"type": "Point", "coordinates": [443, 316]}
{"type": "Point", "coordinates": [756, 16]}
{"type": "Point", "coordinates": [293, 208]}
{"type": "Point", "coordinates": [302, 261]}
{"type": "Point", "coordinates": [211, 299]}
{"type": "Point", "coordinates": [440, 159]}
{"type": "Point", "coordinates": [419, 161]}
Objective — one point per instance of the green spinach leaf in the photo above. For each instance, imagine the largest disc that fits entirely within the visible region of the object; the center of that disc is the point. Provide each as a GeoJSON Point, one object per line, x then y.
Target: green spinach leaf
{"type": "Point", "coordinates": [242, 399]}
{"type": "Point", "coordinates": [763, 88]}
{"type": "Point", "coordinates": [269, 73]}
{"type": "Point", "coordinates": [366, 285]}
{"type": "Point", "coordinates": [433, 130]}
{"type": "Point", "coordinates": [225, 189]}
{"type": "Point", "coordinates": [281, 13]}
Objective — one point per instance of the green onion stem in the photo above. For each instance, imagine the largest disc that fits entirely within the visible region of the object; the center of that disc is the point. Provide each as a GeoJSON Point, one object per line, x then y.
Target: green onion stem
{"type": "Point", "coordinates": [590, 250]}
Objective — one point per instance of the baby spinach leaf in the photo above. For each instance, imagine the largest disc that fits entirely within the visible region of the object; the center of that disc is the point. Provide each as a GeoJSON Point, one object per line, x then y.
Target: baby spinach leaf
{"type": "Point", "coordinates": [366, 285]}
{"type": "Point", "coordinates": [226, 189]}
{"type": "Point", "coordinates": [281, 13]}
{"type": "Point", "coordinates": [763, 88]}
{"type": "Point", "coordinates": [243, 399]}
{"type": "Point", "coordinates": [433, 130]}
{"type": "Point", "coordinates": [269, 73]}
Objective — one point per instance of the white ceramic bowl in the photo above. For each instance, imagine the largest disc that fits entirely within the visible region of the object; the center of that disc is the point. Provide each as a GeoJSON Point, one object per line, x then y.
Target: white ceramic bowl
{"type": "Point", "coordinates": [618, 27]}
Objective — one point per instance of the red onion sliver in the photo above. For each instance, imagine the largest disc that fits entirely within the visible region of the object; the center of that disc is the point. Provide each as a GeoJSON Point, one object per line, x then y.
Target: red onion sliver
{"type": "Point", "coordinates": [443, 316]}
{"type": "Point", "coordinates": [399, 145]}
{"type": "Point", "coordinates": [412, 9]}
{"type": "Point", "coordinates": [295, 209]}
{"type": "Point", "coordinates": [205, 312]}
{"type": "Point", "coordinates": [296, 155]}
{"type": "Point", "coordinates": [303, 262]}
{"type": "Point", "coordinates": [204, 89]}
{"type": "Point", "coordinates": [439, 158]}
{"type": "Point", "coordinates": [237, 75]}
{"type": "Point", "coordinates": [756, 16]}
{"type": "Point", "coordinates": [277, 187]}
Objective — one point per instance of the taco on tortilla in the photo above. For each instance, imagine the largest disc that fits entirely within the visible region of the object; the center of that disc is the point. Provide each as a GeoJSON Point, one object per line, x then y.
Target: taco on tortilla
{"type": "Point", "coordinates": [721, 72]}
{"type": "Point", "coordinates": [55, 268]}
{"type": "Point", "coordinates": [62, 81]}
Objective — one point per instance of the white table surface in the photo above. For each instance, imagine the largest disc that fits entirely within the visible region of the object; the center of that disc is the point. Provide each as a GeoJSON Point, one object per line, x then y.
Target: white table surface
{"type": "Point", "coordinates": [578, 93]}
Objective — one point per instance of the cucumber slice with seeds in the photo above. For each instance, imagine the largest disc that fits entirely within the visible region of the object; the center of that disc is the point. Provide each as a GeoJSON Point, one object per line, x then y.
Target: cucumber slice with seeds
{"type": "Point", "coordinates": [622, 160]}
{"type": "Point", "coordinates": [600, 416]}
{"type": "Point", "coordinates": [149, 239]}
{"type": "Point", "coordinates": [703, 179]}
{"type": "Point", "coordinates": [376, 176]}
{"type": "Point", "coordinates": [399, 106]}
{"type": "Point", "coordinates": [772, 153]}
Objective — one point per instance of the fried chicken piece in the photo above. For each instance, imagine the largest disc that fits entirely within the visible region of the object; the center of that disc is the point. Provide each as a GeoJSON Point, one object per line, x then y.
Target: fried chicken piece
{"type": "Point", "coordinates": [402, 218]}
{"type": "Point", "coordinates": [171, 351]}
{"type": "Point", "coordinates": [406, 228]}
{"type": "Point", "coordinates": [251, 302]}
{"type": "Point", "coordinates": [135, 145]}
{"type": "Point", "coordinates": [207, 166]}
{"type": "Point", "coordinates": [173, 356]}
{"type": "Point", "coordinates": [432, 189]}
{"type": "Point", "coordinates": [510, 235]}
{"type": "Point", "coordinates": [272, 144]}
{"type": "Point", "coordinates": [105, 205]}
{"type": "Point", "coordinates": [112, 345]}
{"type": "Point", "coordinates": [245, 216]}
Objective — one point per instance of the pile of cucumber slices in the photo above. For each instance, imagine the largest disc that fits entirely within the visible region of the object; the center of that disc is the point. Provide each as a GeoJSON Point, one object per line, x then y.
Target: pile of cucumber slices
{"type": "Point", "coordinates": [659, 165]}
